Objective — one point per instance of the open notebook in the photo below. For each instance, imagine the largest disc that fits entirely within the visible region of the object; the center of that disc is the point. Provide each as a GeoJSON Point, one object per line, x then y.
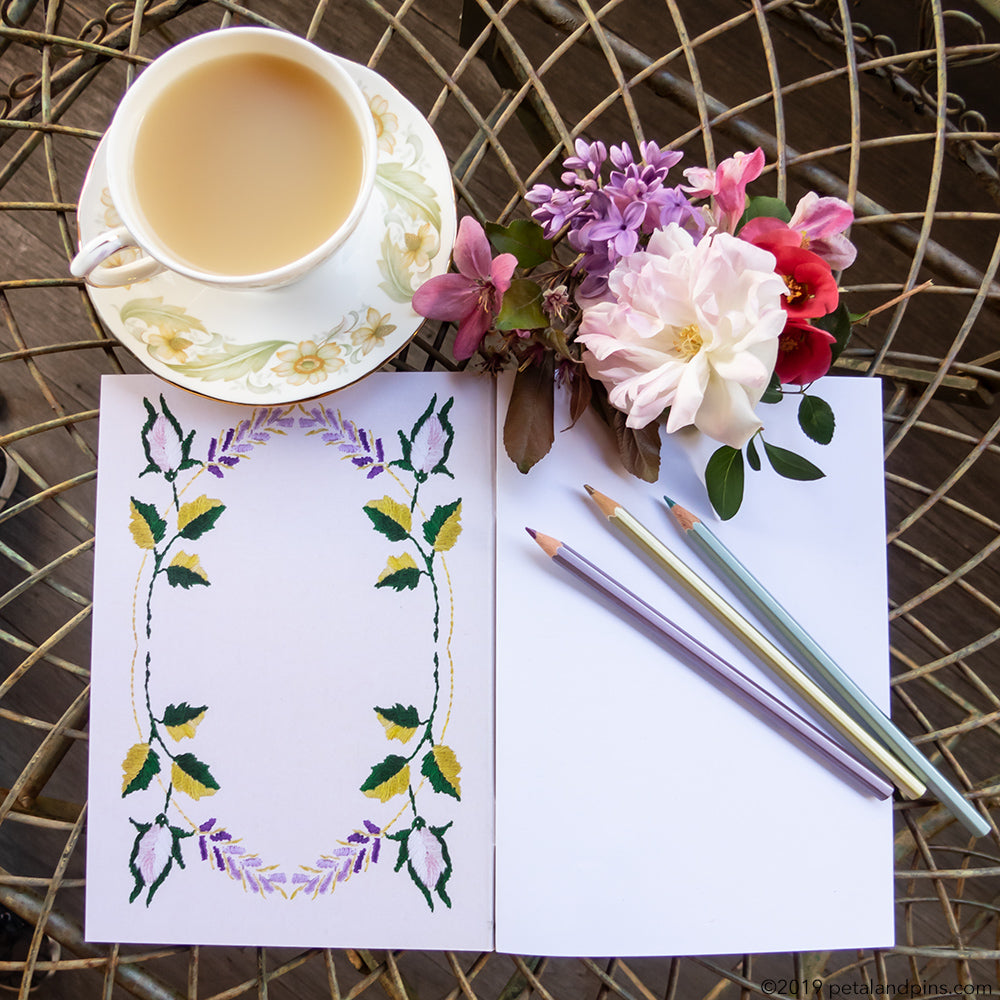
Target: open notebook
{"type": "Point", "coordinates": [340, 698]}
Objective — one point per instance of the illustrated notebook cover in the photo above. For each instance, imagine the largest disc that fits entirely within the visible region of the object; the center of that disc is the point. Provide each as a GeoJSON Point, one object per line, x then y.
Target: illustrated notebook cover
{"type": "Point", "coordinates": [304, 616]}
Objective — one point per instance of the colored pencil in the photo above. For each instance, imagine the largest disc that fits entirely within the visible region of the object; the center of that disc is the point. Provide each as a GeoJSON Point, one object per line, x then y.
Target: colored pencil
{"type": "Point", "coordinates": [824, 668]}
{"type": "Point", "coordinates": [767, 652]}
{"type": "Point", "coordinates": [724, 672]}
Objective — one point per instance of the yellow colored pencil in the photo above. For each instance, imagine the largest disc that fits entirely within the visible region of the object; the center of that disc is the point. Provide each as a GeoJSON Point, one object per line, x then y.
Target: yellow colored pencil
{"type": "Point", "coordinates": [787, 671]}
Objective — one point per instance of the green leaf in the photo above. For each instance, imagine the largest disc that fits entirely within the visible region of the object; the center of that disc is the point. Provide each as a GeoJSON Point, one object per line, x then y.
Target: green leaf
{"type": "Point", "coordinates": [388, 778]}
{"type": "Point", "coordinates": [230, 361]}
{"type": "Point", "coordinates": [773, 393]}
{"type": "Point", "coordinates": [528, 431]}
{"type": "Point", "coordinates": [816, 419]}
{"type": "Point", "coordinates": [753, 456]}
{"type": "Point", "coordinates": [192, 776]}
{"type": "Point", "coordinates": [198, 516]}
{"type": "Point", "coordinates": [522, 307]}
{"type": "Point", "coordinates": [140, 766]}
{"type": "Point", "coordinates": [839, 324]}
{"type": "Point", "coordinates": [408, 190]}
{"type": "Point", "coordinates": [786, 463]}
{"type": "Point", "coordinates": [724, 480]}
{"type": "Point", "coordinates": [152, 311]}
{"type": "Point", "coordinates": [405, 718]}
{"type": "Point", "coordinates": [181, 576]}
{"type": "Point", "coordinates": [441, 768]}
{"type": "Point", "coordinates": [398, 284]}
{"type": "Point", "coordinates": [400, 573]}
{"type": "Point", "coordinates": [442, 528]}
{"type": "Point", "coordinates": [761, 206]}
{"type": "Point", "coordinates": [157, 526]}
{"type": "Point", "coordinates": [177, 715]}
{"type": "Point", "coordinates": [524, 238]}
{"type": "Point", "coordinates": [389, 517]}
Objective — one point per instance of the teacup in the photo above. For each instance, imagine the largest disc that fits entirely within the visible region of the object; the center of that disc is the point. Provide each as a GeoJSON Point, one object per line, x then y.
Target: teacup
{"type": "Point", "coordinates": [241, 158]}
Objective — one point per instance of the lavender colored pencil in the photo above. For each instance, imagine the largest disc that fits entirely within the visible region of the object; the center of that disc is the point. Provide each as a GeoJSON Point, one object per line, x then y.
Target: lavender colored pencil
{"type": "Point", "coordinates": [774, 708]}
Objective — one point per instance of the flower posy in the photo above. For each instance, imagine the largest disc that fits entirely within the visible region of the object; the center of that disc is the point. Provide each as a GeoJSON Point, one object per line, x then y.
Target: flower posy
{"type": "Point", "coordinates": [694, 302]}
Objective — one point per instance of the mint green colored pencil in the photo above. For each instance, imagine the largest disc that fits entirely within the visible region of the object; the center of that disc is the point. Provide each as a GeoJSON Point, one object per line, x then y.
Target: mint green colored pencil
{"type": "Point", "coordinates": [838, 683]}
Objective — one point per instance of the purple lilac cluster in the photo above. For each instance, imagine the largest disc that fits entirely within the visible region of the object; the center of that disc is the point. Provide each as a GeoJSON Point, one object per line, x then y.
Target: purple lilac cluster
{"type": "Point", "coordinates": [235, 444]}
{"type": "Point", "coordinates": [341, 863]}
{"type": "Point", "coordinates": [222, 852]}
{"type": "Point", "coordinates": [607, 219]}
{"type": "Point", "coordinates": [363, 449]}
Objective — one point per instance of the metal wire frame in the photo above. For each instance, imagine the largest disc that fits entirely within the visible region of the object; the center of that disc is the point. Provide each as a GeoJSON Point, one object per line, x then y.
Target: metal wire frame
{"type": "Point", "coordinates": [504, 130]}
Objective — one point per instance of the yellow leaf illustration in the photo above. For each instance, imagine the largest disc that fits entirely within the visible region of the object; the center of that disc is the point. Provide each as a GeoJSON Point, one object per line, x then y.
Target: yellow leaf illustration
{"type": "Point", "coordinates": [396, 784]}
{"type": "Point", "coordinates": [189, 562]}
{"type": "Point", "coordinates": [394, 511]}
{"type": "Point", "coordinates": [450, 531]}
{"type": "Point", "coordinates": [448, 765]}
{"type": "Point", "coordinates": [185, 729]}
{"type": "Point", "coordinates": [189, 511]}
{"type": "Point", "coordinates": [188, 784]}
{"type": "Point", "coordinates": [139, 528]}
{"type": "Point", "coordinates": [133, 763]}
{"type": "Point", "coordinates": [394, 731]}
{"type": "Point", "coordinates": [396, 563]}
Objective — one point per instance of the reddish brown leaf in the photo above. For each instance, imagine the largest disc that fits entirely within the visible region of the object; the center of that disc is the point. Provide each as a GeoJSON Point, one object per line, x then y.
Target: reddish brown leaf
{"type": "Point", "coordinates": [527, 430]}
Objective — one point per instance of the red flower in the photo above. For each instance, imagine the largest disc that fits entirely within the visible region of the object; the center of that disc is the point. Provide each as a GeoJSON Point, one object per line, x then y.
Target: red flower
{"type": "Point", "coordinates": [471, 298]}
{"type": "Point", "coordinates": [804, 353]}
{"type": "Point", "coordinates": [812, 290]}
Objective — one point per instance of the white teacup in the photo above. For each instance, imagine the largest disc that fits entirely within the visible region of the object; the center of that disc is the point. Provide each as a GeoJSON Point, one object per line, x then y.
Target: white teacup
{"type": "Point", "coordinates": [241, 158]}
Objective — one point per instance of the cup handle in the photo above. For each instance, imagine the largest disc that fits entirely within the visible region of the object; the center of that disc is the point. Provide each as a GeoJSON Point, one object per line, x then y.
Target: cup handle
{"type": "Point", "coordinates": [90, 263]}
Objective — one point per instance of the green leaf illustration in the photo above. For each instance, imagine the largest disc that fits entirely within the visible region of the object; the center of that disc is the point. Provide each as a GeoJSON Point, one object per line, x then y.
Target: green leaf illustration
{"type": "Point", "coordinates": [198, 516]}
{"type": "Point", "coordinates": [524, 238]}
{"type": "Point", "coordinates": [408, 190]}
{"type": "Point", "coordinates": [388, 778]}
{"type": "Point", "coordinates": [443, 527]}
{"type": "Point", "coordinates": [434, 868]}
{"type": "Point", "coordinates": [400, 723]}
{"type": "Point", "coordinates": [390, 518]}
{"type": "Point", "coordinates": [152, 521]}
{"type": "Point", "coordinates": [441, 768]}
{"type": "Point", "coordinates": [816, 419]}
{"type": "Point", "coordinates": [397, 285]}
{"type": "Point", "coordinates": [400, 573]}
{"type": "Point", "coordinates": [786, 463]}
{"type": "Point", "coordinates": [192, 776]}
{"type": "Point", "coordinates": [182, 720]}
{"type": "Point", "coordinates": [231, 361]}
{"type": "Point", "coordinates": [724, 481]}
{"type": "Point", "coordinates": [173, 319]}
{"type": "Point", "coordinates": [183, 576]}
{"type": "Point", "coordinates": [140, 766]}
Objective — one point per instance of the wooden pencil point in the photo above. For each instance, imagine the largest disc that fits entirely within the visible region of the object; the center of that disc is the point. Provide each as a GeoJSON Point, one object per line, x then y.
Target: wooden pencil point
{"type": "Point", "coordinates": [550, 546]}
{"type": "Point", "coordinates": [589, 488]}
{"type": "Point", "coordinates": [685, 518]}
{"type": "Point", "coordinates": [606, 505]}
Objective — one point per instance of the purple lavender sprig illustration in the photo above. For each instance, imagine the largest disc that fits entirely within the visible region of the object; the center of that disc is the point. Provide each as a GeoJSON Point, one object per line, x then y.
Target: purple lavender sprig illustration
{"type": "Point", "coordinates": [237, 443]}
{"type": "Point", "coordinates": [360, 447]}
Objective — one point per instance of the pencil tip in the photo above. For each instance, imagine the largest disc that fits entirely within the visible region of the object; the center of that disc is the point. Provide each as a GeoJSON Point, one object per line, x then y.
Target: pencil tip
{"type": "Point", "coordinates": [589, 488]}
{"type": "Point", "coordinates": [669, 502]}
{"type": "Point", "coordinates": [532, 532]}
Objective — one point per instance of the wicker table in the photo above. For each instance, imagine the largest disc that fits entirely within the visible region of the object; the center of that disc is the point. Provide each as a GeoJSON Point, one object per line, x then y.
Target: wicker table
{"type": "Point", "coordinates": [885, 110]}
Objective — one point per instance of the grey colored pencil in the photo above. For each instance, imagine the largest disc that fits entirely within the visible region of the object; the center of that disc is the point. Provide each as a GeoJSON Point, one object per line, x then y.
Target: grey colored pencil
{"type": "Point", "coordinates": [823, 668]}
{"type": "Point", "coordinates": [732, 679]}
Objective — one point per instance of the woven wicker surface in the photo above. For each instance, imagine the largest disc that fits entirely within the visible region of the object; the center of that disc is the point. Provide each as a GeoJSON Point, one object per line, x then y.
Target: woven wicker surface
{"type": "Point", "coordinates": [891, 114]}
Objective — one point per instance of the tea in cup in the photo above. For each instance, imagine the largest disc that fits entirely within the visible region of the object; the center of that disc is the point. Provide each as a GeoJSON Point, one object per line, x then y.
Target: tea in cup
{"type": "Point", "coordinates": [241, 158]}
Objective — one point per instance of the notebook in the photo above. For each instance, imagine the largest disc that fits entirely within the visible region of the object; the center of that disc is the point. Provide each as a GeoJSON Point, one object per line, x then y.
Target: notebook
{"type": "Point", "coordinates": [340, 698]}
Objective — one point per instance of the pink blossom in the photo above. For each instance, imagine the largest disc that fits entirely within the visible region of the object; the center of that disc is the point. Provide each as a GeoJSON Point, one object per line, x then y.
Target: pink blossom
{"type": "Point", "coordinates": [429, 445]}
{"type": "Point", "coordinates": [165, 445]}
{"type": "Point", "coordinates": [822, 222]}
{"type": "Point", "coordinates": [692, 327]}
{"type": "Point", "coordinates": [471, 298]}
{"type": "Point", "coordinates": [426, 856]}
{"type": "Point", "coordinates": [153, 852]}
{"type": "Point", "coordinates": [804, 353]}
{"type": "Point", "coordinates": [726, 185]}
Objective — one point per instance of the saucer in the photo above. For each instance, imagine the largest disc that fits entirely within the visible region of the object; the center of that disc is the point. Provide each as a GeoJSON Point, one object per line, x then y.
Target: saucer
{"type": "Point", "coordinates": [346, 318]}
